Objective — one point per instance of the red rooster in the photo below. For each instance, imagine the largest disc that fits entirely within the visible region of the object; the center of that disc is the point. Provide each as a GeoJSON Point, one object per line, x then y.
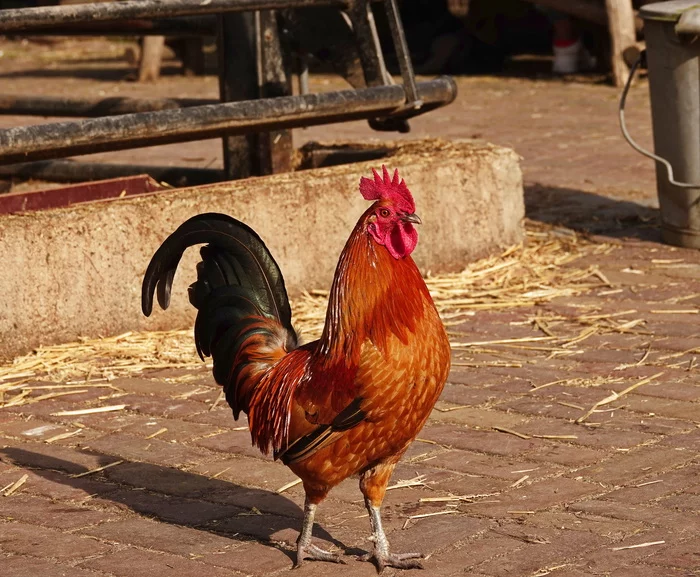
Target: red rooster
{"type": "Point", "coordinates": [352, 401]}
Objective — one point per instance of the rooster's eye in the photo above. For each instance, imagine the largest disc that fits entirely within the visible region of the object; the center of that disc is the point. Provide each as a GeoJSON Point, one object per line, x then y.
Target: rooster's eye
{"type": "Point", "coordinates": [384, 213]}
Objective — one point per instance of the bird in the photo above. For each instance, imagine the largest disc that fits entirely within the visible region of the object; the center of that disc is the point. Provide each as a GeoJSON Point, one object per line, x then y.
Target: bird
{"type": "Point", "coordinates": [349, 403]}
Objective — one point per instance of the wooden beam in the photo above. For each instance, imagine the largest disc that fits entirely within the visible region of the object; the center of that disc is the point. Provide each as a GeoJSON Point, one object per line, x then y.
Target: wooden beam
{"type": "Point", "coordinates": [152, 49]}
{"type": "Point", "coordinates": [622, 37]}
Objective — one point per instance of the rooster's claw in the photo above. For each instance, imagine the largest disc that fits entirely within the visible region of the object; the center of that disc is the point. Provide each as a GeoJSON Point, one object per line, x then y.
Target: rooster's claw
{"type": "Point", "coordinates": [316, 554]}
{"type": "Point", "coordinates": [396, 560]}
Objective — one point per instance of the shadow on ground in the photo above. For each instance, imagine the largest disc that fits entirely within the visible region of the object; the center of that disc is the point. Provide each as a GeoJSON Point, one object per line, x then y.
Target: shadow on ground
{"type": "Point", "coordinates": [178, 497]}
{"type": "Point", "coordinates": [592, 213]}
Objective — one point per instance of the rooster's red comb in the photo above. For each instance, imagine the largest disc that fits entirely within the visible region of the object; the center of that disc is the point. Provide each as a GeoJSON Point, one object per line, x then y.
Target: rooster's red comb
{"type": "Point", "coordinates": [387, 188]}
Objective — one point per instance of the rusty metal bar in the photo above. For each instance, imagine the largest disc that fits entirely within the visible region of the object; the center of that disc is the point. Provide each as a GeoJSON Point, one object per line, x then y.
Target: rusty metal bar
{"type": "Point", "coordinates": [38, 142]}
{"type": "Point", "coordinates": [27, 19]}
{"type": "Point", "coordinates": [184, 27]}
{"type": "Point", "coordinates": [402, 54]}
{"type": "Point", "coordinates": [91, 107]}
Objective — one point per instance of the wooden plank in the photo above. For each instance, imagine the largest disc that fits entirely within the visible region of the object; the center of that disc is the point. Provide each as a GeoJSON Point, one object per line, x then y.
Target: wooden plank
{"type": "Point", "coordinates": [622, 36]}
{"type": "Point", "coordinates": [151, 58]}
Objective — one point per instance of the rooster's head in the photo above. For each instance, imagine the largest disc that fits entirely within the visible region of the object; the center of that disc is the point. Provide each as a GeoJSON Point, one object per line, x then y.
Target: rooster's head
{"type": "Point", "coordinates": [391, 219]}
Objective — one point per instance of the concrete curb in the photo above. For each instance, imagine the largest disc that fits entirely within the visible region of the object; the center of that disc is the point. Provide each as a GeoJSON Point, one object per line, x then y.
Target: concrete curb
{"type": "Point", "coordinates": [77, 271]}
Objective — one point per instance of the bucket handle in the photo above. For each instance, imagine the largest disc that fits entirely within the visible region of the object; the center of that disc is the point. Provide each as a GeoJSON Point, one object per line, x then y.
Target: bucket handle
{"type": "Point", "coordinates": [628, 136]}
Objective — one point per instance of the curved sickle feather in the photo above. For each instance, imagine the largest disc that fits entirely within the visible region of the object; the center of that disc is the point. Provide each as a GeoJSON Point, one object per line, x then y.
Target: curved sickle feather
{"type": "Point", "coordinates": [242, 244]}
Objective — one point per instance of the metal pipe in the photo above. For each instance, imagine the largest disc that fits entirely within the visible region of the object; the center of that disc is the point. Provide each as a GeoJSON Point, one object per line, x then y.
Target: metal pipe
{"type": "Point", "coordinates": [26, 19]}
{"type": "Point", "coordinates": [91, 107]}
{"type": "Point", "coordinates": [60, 139]}
{"type": "Point", "coordinates": [182, 27]}
{"type": "Point", "coordinates": [402, 54]}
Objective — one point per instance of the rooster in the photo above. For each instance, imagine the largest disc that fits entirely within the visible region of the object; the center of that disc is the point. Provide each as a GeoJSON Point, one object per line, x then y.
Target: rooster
{"type": "Point", "coordinates": [347, 404]}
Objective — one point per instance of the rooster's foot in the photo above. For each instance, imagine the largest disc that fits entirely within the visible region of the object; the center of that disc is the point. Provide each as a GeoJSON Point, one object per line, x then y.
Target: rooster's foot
{"type": "Point", "coordinates": [397, 560]}
{"type": "Point", "coordinates": [316, 554]}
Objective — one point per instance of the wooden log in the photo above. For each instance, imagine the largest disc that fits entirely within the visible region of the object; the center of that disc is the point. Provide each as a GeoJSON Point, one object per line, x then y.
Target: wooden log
{"type": "Point", "coordinates": [151, 58]}
{"type": "Point", "coordinates": [622, 36]}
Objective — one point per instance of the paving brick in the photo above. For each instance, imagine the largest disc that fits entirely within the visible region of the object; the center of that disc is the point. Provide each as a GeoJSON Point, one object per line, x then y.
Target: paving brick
{"type": "Point", "coordinates": [432, 534]}
{"type": "Point", "coordinates": [107, 422]}
{"type": "Point", "coordinates": [20, 566]}
{"type": "Point", "coordinates": [603, 437]}
{"type": "Point", "coordinates": [252, 558]}
{"type": "Point", "coordinates": [56, 485]}
{"type": "Point", "coordinates": [43, 456]}
{"type": "Point", "coordinates": [681, 503]}
{"type": "Point", "coordinates": [471, 554]}
{"type": "Point", "coordinates": [68, 402]}
{"type": "Point", "coordinates": [469, 485]}
{"type": "Point", "coordinates": [231, 442]}
{"type": "Point", "coordinates": [635, 465]}
{"type": "Point", "coordinates": [537, 496]}
{"type": "Point", "coordinates": [685, 555]}
{"type": "Point", "coordinates": [221, 416]}
{"type": "Point", "coordinates": [657, 485]}
{"type": "Point", "coordinates": [176, 510]}
{"type": "Point", "coordinates": [163, 480]}
{"type": "Point", "coordinates": [459, 394]}
{"type": "Point", "coordinates": [673, 388]}
{"type": "Point", "coordinates": [481, 441]}
{"type": "Point", "coordinates": [136, 563]}
{"type": "Point", "coordinates": [249, 472]}
{"type": "Point", "coordinates": [666, 408]}
{"type": "Point", "coordinates": [41, 542]}
{"type": "Point", "coordinates": [478, 464]}
{"type": "Point", "coordinates": [152, 450]}
{"type": "Point", "coordinates": [686, 441]}
{"type": "Point", "coordinates": [640, 570]}
{"type": "Point", "coordinates": [568, 455]}
{"type": "Point", "coordinates": [169, 387]}
{"type": "Point", "coordinates": [353, 568]}
{"type": "Point", "coordinates": [177, 430]}
{"type": "Point", "coordinates": [542, 549]}
{"type": "Point", "coordinates": [262, 526]}
{"type": "Point", "coordinates": [150, 534]}
{"type": "Point", "coordinates": [651, 515]}
{"type": "Point", "coordinates": [162, 407]}
{"type": "Point", "coordinates": [475, 417]}
{"type": "Point", "coordinates": [606, 559]}
{"type": "Point", "coordinates": [41, 511]}
{"type": "Point", "coordinates": [613, 529]}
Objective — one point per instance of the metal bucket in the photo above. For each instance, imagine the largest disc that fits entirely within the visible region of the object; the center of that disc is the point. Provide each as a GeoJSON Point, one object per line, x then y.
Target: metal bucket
{"type": "Point", "coordinates": [671, 31]}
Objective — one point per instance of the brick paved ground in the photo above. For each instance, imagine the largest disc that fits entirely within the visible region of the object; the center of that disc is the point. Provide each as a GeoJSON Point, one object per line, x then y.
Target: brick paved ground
{"type": "Point", "coordinates": [197, 500]}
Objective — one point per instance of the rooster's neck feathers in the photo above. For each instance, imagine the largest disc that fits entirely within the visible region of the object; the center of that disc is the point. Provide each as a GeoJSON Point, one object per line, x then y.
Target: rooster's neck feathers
{"type": "Point", "coordinates": [373, 297]}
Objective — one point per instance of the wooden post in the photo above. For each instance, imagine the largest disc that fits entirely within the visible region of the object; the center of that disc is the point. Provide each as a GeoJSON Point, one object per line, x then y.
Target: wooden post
{"type": "Point", "coordinates": [622, 36]}
{"type": "Point", "coordinates": [151, 58]}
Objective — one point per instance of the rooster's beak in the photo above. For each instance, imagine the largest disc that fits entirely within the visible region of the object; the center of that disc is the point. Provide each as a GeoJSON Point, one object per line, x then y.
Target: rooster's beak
{"type": "Point", "coordinates": [412, 218]}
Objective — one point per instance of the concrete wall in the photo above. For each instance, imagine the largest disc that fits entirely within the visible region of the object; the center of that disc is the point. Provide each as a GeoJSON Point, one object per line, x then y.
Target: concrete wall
{"type": "Point", "coordinates": [77, 271]}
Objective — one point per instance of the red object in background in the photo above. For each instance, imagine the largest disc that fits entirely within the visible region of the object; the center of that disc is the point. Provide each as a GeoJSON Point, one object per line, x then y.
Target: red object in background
{"type": "Point", "coordinates": [85, 192]}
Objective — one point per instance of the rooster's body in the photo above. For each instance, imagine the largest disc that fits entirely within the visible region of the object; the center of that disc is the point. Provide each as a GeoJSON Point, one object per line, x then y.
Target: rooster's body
{"type": "Point", "coordinates": [349, 403]}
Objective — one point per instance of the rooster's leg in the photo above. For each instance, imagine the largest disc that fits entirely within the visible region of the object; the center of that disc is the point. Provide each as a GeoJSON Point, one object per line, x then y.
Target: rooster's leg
{"type": "Point", "coordinates": [306, 549]}
{"type": "Point", "coordinates": [373, 486]}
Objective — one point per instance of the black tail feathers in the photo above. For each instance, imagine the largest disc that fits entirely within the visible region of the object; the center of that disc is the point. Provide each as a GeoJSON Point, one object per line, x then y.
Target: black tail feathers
{"type": "Point", "coordinates": [236, 279]}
